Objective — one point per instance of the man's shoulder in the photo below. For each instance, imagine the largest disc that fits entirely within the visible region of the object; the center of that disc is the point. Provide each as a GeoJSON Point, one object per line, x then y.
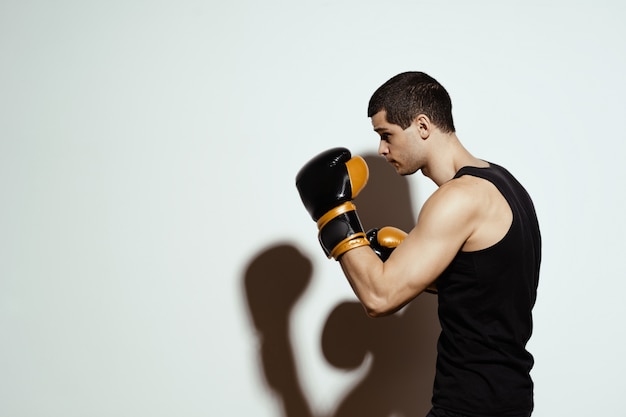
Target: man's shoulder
{"type": "Point", "coordinates": [465, 187]}
{"type": "Point", "coordinates": [459, 195]}
{"type": "Point", "coordinates": [463, 196]}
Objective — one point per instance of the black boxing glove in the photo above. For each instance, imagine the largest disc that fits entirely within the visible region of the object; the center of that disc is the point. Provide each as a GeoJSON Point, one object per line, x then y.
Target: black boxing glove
{"type": "Point", "coordinates": [384, 241]}
{"type": "Point", "coordinates": [327, 184]}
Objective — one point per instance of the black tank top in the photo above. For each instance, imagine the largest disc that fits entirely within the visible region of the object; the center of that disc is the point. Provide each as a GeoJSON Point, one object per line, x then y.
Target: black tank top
{"type": "Point", "coordinates": [485, 303]}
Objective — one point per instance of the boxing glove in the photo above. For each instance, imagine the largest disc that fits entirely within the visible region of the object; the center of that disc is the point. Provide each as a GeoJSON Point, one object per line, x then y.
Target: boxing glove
{"type": "Point", "coordinates": [383, 241]}
{"type": "Point", "coordinates": [327, 184]}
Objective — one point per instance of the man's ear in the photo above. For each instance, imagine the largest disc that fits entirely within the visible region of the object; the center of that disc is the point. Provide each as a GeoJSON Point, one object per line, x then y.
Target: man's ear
{"type": "Point", "coordinates": [424, 125]}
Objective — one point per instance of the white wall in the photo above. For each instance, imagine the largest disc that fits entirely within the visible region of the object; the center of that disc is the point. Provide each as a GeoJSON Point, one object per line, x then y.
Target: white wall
{"type": "Point", "coordinates": [150, 221]}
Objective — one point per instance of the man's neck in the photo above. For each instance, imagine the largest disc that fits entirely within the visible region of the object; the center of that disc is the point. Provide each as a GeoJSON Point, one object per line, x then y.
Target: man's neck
{"type": "Point", "coordinates": [449, 157]}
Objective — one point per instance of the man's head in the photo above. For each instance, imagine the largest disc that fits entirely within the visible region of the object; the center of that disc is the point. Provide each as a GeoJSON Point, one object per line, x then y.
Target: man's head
{"type": "Point", "coordinates": [410, 94]}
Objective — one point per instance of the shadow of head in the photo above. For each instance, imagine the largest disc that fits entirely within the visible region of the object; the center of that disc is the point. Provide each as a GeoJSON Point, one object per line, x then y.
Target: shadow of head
{"type": "Point", "coordinates": [386, 199]}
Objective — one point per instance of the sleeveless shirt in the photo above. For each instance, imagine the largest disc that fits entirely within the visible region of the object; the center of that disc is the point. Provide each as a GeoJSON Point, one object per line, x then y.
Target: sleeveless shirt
{"type": "Point", "coordinates": [485, 303]}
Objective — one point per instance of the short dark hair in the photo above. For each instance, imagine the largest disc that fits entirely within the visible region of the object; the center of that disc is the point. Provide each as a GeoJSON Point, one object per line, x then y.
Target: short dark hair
{"type": "Point", "coordinates": [409, 94]}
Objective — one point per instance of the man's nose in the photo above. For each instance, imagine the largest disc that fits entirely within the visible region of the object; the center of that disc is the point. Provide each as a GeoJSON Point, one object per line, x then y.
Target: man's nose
{"type": "Point", "coordinates": [383, 149]}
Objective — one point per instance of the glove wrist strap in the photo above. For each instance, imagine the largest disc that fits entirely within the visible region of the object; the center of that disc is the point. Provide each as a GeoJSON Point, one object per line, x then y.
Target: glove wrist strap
{"type": "Point", "coordinates": [341, 231]}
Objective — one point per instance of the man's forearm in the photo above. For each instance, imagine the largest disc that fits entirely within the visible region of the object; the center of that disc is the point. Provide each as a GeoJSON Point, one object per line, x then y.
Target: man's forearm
{"type": "Point", "coordinates": [365, 272]}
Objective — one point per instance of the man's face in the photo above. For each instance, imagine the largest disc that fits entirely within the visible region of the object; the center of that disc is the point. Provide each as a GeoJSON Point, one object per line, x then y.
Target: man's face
{"type": "Point", "coordinates": [400, 147]}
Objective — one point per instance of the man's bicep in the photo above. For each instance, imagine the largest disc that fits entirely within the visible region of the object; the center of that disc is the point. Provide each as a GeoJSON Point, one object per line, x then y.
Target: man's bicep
{"type": "Point", "coordinates": [444, 224]}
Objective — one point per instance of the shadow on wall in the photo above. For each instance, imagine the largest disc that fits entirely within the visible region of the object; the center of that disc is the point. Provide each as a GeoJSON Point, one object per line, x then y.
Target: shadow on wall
{"type": "Point", "coordinates": [402, 346]}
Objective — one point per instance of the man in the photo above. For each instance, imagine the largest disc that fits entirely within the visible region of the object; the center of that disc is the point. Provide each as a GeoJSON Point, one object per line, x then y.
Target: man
{"type": "Point", "coordinates": [477, 238]}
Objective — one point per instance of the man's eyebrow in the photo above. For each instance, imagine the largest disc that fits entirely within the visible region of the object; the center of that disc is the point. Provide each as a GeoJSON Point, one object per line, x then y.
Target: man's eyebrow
{"type": "Point", "coordinates": [380, 129]}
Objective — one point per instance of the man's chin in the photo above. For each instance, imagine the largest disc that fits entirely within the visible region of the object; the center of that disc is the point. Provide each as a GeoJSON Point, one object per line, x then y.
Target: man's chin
{"type": "Point", "coordinates": [405, 172]}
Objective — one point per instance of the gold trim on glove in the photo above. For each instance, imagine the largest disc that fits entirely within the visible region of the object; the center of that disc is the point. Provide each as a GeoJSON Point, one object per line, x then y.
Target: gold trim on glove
{"type": "Point", "coordinates": [354, 241]}
{"type": "Point", "coordinates": [337, 211]}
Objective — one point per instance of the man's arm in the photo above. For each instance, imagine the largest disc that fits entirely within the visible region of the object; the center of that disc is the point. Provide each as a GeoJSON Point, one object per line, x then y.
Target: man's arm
{"type": "Point", "coordinates": [445, 222]}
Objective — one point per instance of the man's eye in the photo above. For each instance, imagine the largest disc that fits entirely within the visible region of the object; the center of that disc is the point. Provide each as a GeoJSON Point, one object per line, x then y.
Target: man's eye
{"type": "Point", "coordinates": [385, 136]}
